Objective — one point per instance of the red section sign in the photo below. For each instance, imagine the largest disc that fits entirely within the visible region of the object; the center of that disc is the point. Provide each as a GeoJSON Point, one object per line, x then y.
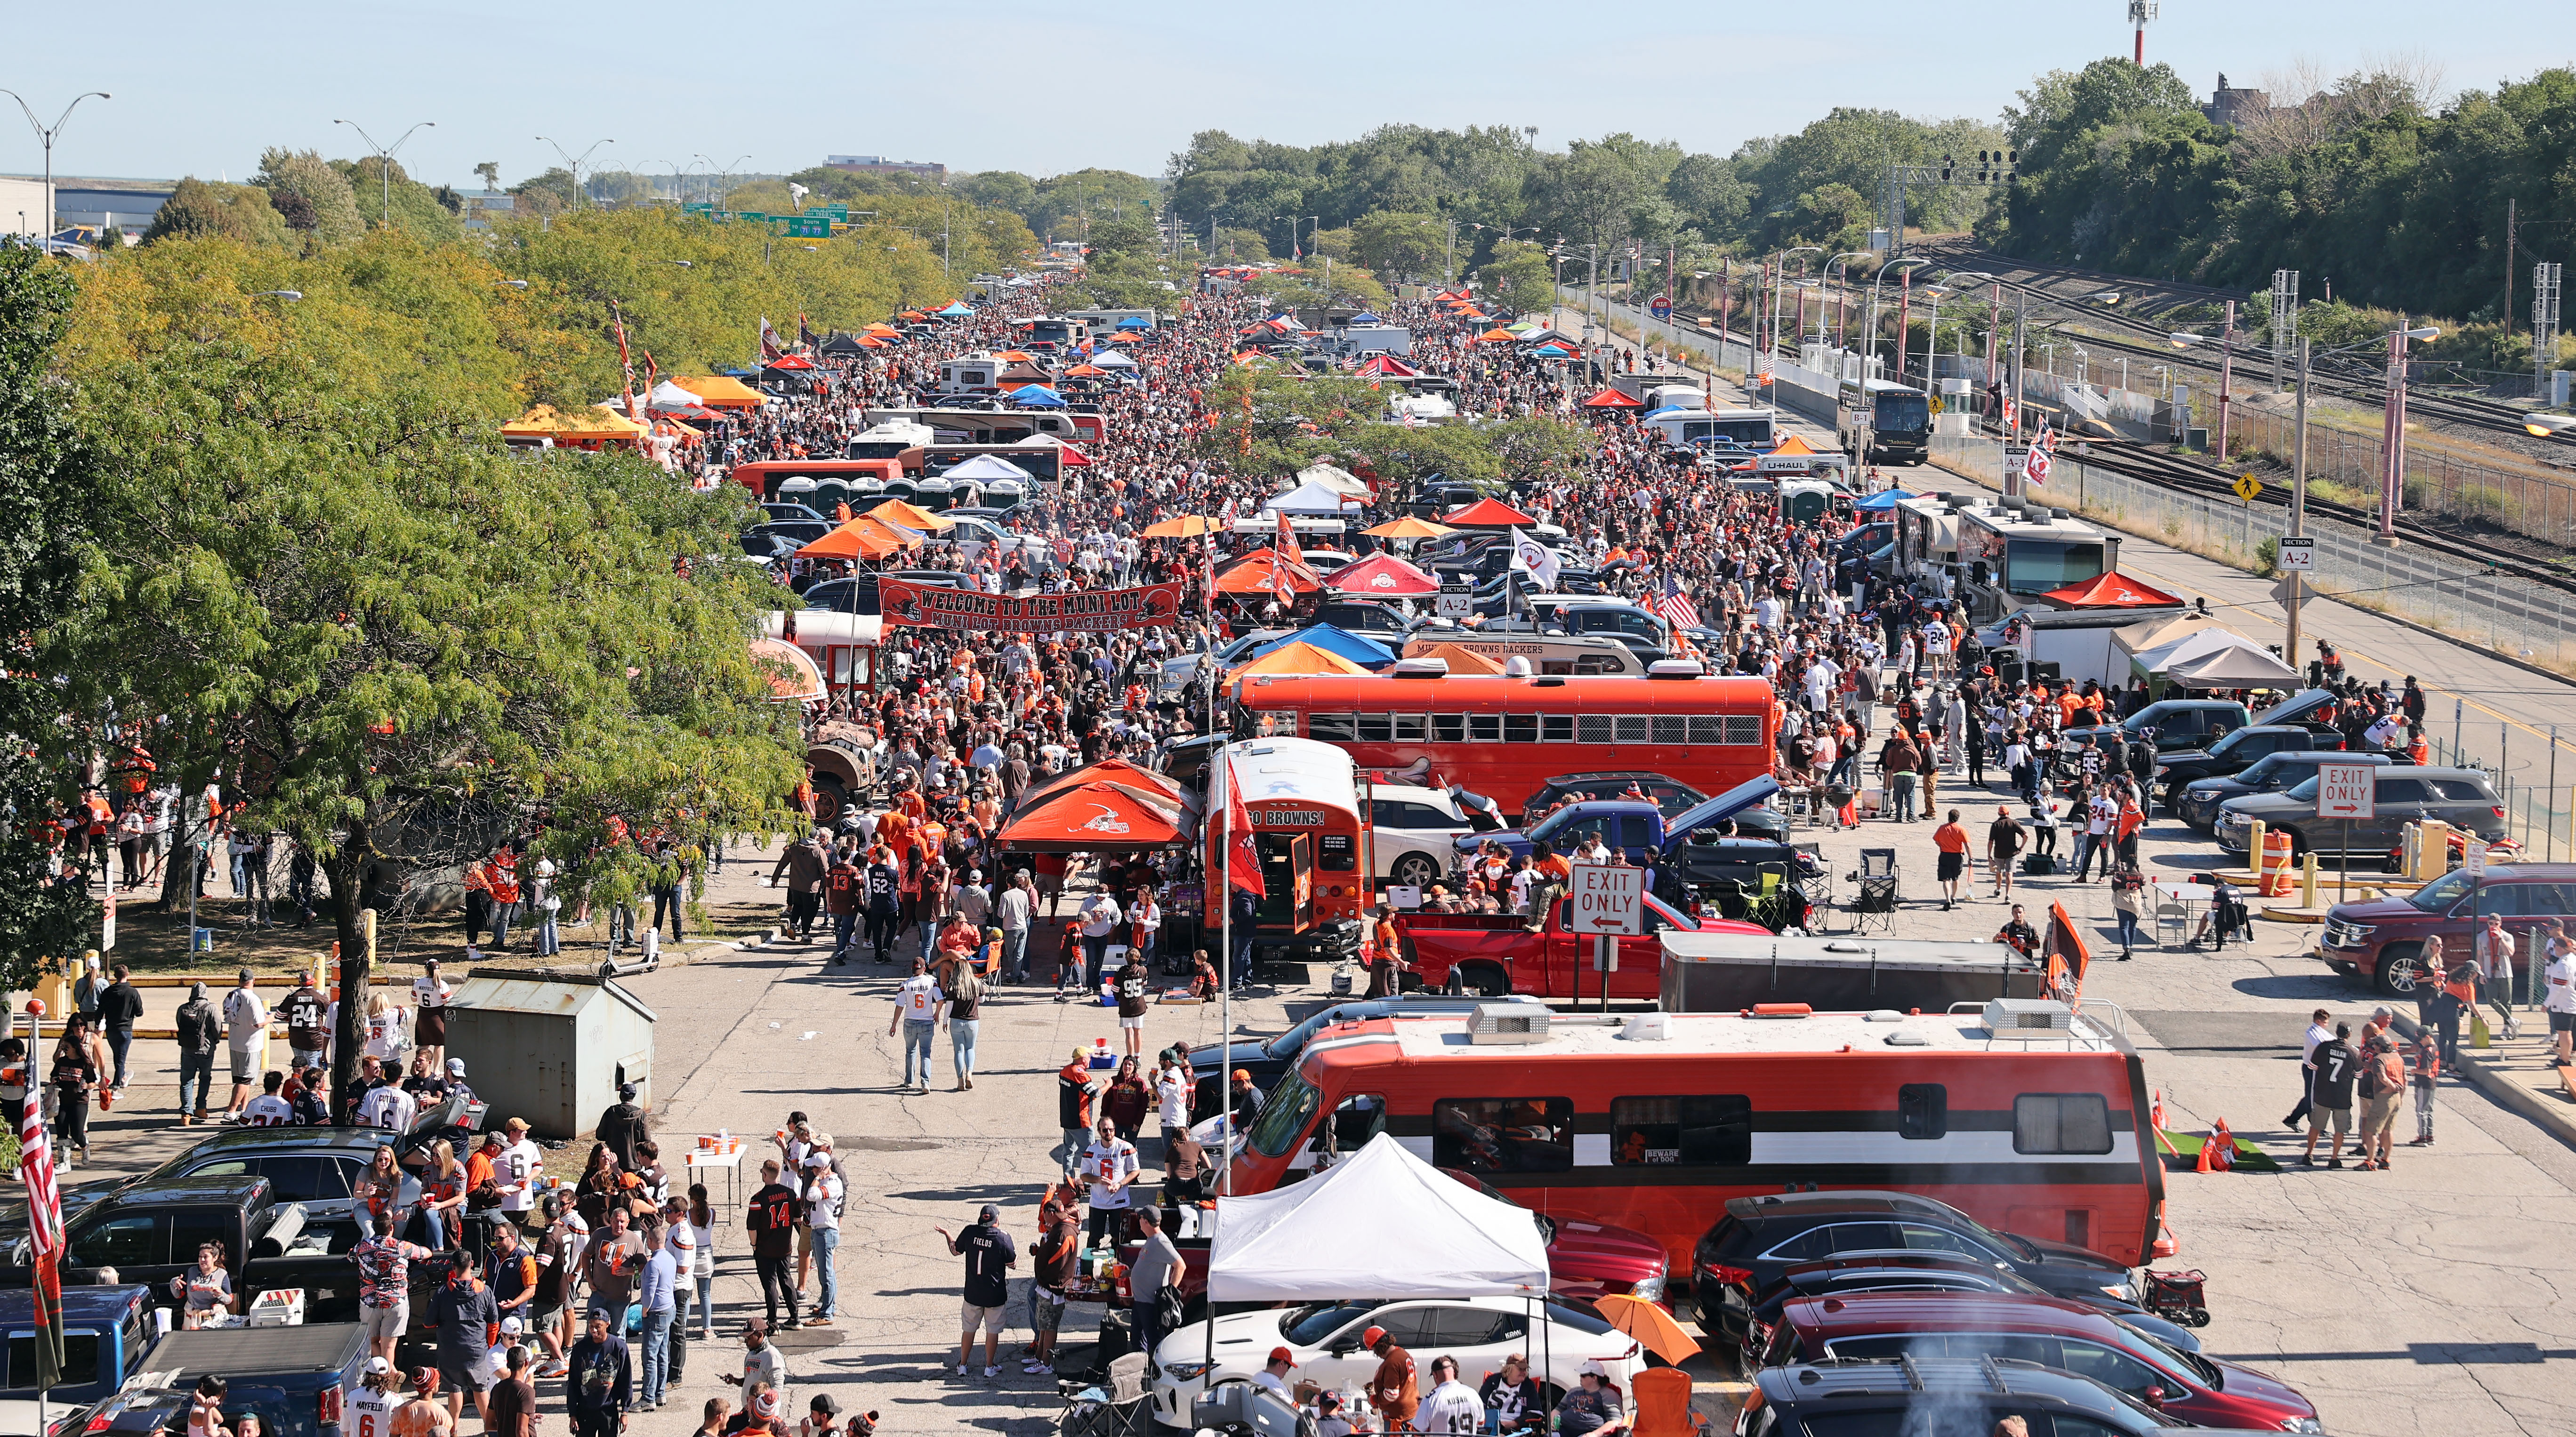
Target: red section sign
{"type": "Point", "coordinates": [1154, 606]}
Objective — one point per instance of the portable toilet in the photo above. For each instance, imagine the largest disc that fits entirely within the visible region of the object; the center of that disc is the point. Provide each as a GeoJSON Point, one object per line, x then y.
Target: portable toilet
{"type": "Point", "coordinates": [550, 1047]}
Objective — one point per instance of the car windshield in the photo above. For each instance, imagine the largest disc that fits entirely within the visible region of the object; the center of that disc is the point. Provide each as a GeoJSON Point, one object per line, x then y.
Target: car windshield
{"type": "Point", "coordinates": [1308, 1326]}
{"type": "Point", "coordinates": [2191, 1362]}
{"type": "Point", "coordinates": [1288, 1045]}
{"type": "Point", "coordinates": [1284, 1117]}
{"type": "Point", "coordinates": [2229, 744]}
{"type": "Point", "coordinates": [2438, 895]}
{"type": "Point", "coordinates": [2260, 771]}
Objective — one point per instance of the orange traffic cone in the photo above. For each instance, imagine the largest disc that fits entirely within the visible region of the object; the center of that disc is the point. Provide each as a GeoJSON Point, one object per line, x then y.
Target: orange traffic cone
{"type": "Point", "coordinates": [2220, 1150]}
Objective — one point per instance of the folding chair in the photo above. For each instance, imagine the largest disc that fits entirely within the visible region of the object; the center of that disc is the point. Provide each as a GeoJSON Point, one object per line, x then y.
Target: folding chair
{"type": "Point", "coordinates": [1874, 904]}
{"type": "Point", "coordinates": [2170, 914]}
{"type": "Point", "coordinates": [1663, 1404]}
{"type": "Point", "coordinates": [1115, 1408]}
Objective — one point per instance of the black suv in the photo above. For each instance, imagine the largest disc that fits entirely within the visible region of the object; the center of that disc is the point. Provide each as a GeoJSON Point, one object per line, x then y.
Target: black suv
{"type": "Point", "coordinates": [1938, 1397]}
{"type": "Point", "coordinates": [1912, 1271]}
{"type": "Point", "coordinates": [1759, 1239]}
{"type": "Point", "coordinates": [2196, 803]}
{"type": "Point", "coordinates": [2237, 752]}
{"type": "Point", "coordinates": [1673, 796]}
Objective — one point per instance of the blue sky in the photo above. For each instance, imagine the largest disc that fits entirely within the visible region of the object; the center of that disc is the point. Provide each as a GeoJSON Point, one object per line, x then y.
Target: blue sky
{"type": "Point", "coordinates": [201, 89]}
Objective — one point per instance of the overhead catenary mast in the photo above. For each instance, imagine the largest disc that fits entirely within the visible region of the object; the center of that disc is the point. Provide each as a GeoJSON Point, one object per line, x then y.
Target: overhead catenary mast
{"type": "Point", "coordinates": [2141, 12]}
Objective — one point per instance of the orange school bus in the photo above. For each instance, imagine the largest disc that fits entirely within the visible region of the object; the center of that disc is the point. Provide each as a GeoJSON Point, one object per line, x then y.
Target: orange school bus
{"type": "Point", "coordinates": [1655, 1121]}
{"type": "Point", "coordinates": [1506, 737]}
{"type": "Point", "coordinates": [1303, 800]}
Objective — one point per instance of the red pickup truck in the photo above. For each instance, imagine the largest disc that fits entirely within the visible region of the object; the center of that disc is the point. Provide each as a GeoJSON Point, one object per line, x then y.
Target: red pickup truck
{"type": "Point", "coordinates": [1494, 954]}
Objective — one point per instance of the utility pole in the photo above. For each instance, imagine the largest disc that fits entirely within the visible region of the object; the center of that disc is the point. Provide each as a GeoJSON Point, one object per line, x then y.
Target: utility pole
{"type": "Point", "coordinates": [2298, 505]}
{"type": "Point", "coordinates": [2392, 441]}
{"type": "Point", "coordinates": [2285, 318]}
{"type": "Point", "coordinates": [2226, 376]}
{"type": "Point", "coordinates": [2509, 237]}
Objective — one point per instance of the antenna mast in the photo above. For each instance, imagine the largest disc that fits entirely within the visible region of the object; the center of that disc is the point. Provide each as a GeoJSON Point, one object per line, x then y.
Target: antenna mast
{"type": "Point", "coordinates": [2141, 13]}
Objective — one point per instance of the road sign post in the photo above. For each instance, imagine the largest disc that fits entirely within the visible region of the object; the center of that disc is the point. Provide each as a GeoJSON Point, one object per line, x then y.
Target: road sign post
{"type": "Point", "coordinates": [2298, 555]}
{"type": "Point", "coordinates": [1608, 901]}
{"type": "Point", "coordinates": [2345, 791]}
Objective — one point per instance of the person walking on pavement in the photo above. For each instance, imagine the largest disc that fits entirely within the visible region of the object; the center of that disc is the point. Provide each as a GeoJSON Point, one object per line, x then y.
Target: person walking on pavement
{"type": "Point", "coordinates": [2003, 847]}
{"type": "Point", "coordinates": [2423, 1077]}
{"type": "Point", "coordinates": [990, 1255]}
{"type": "Point", "coordinates": [2331, 1096]}
{"type": "Point", "coordinates": [600, 1382]}
{"type": "Point", "coordinates": [1898, 759]}
{"type": "Point", "coordinates": [1157, 1265]}
{"type": "Point", "coordinates": [917, 1003]}
{"type": "Point", "coordinates": [246, 1033]}
{"type": "Point", "coordinates": [2318, 1035]}
{"type": "Point", "coordinates": [805, 865]}
{"type": "Point", "coordinates": [200, 1033]}
{"type": "Point", "coordinates": [845, 896]}
{"type": "Point", "coordinates": [1950, 841]}
{"type": "Point", "coordinates": [118, 1008]}
{"type": "Point", "coordinates": [1014, 910]}
{"type": "Point", "coordinates": [824, 1195]}
{"type": "Point", "coordinates": [2559, 997]}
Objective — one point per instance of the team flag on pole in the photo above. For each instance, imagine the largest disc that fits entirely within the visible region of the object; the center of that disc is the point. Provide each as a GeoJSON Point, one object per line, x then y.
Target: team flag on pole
{"type": "Point", "coordinates": [1243, 854]}
{"type": "Point", "coordinates": [45, 1232]}
{"type": "Point", "coordinates": [2035, 465]}
{"type": "Point", "coordinates": [771, 346]}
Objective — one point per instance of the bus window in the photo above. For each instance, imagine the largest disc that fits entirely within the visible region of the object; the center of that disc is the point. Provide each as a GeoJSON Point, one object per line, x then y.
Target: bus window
{"type": "Point", "coordinates": [1520, 728]}
{"type": "Point", "coordinates": [1448, 728]}
{"type": "Point", "coordinates": [1503, 1135]}
{"type": "Point", "coordinates": [1374, 728]}
{"type": "Point", "coordinates": [1484, 728]}
{"type": "Point", "coordinates": [1922, 1110]}
{"type": "Point", "coordinates": [2061, 1123]}
{"type": "Point", "coordinates": [1332, 728]}
{"type": "Point", "coordinates": [1357, 1120]}
{"type": "Point", "coordinates": [1705, 1130]}
{"type": "Point", "coordinates": [1338, 852]}
{"type": "Point", "coordinates": [1284, 1116]}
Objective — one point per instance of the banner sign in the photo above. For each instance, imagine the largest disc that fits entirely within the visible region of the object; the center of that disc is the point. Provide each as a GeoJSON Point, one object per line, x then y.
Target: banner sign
{"type": "Point", "coordinates": [1093, 611]}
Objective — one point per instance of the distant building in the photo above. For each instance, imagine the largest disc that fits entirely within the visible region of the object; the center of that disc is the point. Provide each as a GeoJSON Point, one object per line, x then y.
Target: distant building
{"type": "Point", "coordinates": [880, 165]}
{"type": "Point", "coordinates": [83, 204]}
{"type": "Point", "coordinates": [2234, 107]}
{"type": "Point", "coordinates": [482, 206]}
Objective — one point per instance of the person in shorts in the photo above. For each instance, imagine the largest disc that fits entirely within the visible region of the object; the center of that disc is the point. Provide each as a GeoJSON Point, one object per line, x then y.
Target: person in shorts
{"type": "Point", "coordinates": [1058, 1246]}
{"type": "Point", "coordinates": [2330, 1096]}
{"type": "Point", "coordinates": [384, 1284]}
{"type": "Point", "coordinates": [989, 1255]}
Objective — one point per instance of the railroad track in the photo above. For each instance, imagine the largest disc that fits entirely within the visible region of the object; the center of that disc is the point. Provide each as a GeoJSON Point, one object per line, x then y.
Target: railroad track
{"type": "Point", "coordinates": [2169, 471]}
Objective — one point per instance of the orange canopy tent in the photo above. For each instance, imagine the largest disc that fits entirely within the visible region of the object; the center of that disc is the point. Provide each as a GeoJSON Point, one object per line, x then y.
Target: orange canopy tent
{"type": "Point", "coordinates": [861, 538]}
{"type": "Point", "coordinates": [1254, 574]}
{"type": "Point", "coordinates": [1159, 789]}
{"type": "Point", "coordinates": [883, 330]}
{"type": "Point", "coordinates": [1298, 658]}
{"type": "Point", "coordinates": [1498, 335]}
{"type": "Point", "coordinates": [794, 677]}
{"type": "Point", "coordinates": [1094, 817]}
{"type": "Point", "coordinates": [1015, 356]}
{"type": "Point", "coordinates": [574, 426]}
{"type": "Point", "coordinates": [1460, 661]}
{"type": "Point", "coordinates": [1084, 371]}
{"type": "Point", "coordinates": [722, 391]}
{"type": "Point", "coordinates": [2111, 591]}
{"type": "Point", "coordinates": [1613, 399]}
{"type": "Point", "coordinates": [896, 511]}
{"type": "Point", "coordinates": [1408, 527]}
{"type": "Point", "coordinates": [870, 341]}
{"type": "Point", "coordinates": [1188, 526]}
{"type": "Point", "coordinates": [1793, 445]}
{"type": "Point", "coordinates": [1488, 514]}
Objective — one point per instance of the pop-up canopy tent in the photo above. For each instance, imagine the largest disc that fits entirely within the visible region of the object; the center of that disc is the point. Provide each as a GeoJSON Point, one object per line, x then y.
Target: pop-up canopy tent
{"type": "Point", "coordinates": [840, 345]}
{"type": "Point", "coordinates": [900, 514]}
{"type": "Point", "coordinates": [1429, 1236]}
{"type": "Point", "coordinates": [1367, 653]}
{"type": "Point", "coordinates": [865, 537]}
{"type": "Point", "coordinates": [1382, 576]}
{"type": "Point", "coordinates": [1297, 657]}
{"type": "Point", "coordinates": [1262, 571]}
{"type": "Point", "coordinates": [988, 467]}
{"type": "Point", "coordinates": [1613, 399]}
{"type": "Point", "coordinates": [2147, 634]}
{"type": "Point", "coordinates": [2111, 591]}
{"type": "Point", "coordinates": [2187, 650]}
{"type": "Point", "coordinates": [2241, 665]}
{"type": "Point", "coordinates": [1460, 661]}
{"type": "Point", "coordinates": [1111, 359]}
{"type": "Point", "coordinates": [722, 391]}
{"type": "Point", "coordinates": [1341, 481]}
{"type": "Point", "coordinates": [1036, 396]}
{"type": "Point", "coordinates": [1882, 501]}
{"type": "Point", "coordinates": [1312, 497]}
{"type": "Point", "coordinates": [569, 428]}
{"type": "Point", "coordinates": [1094, 817]}
{"type": "Point", "coordinates": [1488, 514]}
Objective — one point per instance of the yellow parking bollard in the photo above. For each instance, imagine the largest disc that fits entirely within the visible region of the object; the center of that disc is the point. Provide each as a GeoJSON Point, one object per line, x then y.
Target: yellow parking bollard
{"type": "Point", "coordinates": [2308, 880]}
{"type": "Point", "coordinates": [2254, 849]}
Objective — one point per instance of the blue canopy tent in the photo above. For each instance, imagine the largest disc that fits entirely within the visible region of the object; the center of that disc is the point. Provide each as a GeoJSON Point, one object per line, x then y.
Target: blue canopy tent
{"type": "Point", "coordinates": [1135, 321]}
{"type": "Point", "coordinates": [1365, 652]}
{"type": "Point", "coordinates": [1882, 501]}
{"type": "Point", "coordinates": [1037, 396]}
{"type": "Point", "coordinates": [956, 310]}
{"type": "Point", "coordinates": [1364, 318]}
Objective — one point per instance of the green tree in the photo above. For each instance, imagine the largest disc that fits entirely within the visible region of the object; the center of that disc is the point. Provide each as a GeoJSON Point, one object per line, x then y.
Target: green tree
{"type": "Point", "coordinates": [313, 197]}
{"type": "Point", "coordinates": [1131, 234]}
{"type": "Point", "coordinates": [404, 203]}
{"type": "Point", "coordinates": [396, 639]}
{"type": "Point", "coordinates": [1400, 242]}
{"type": "Point", "coordinates": [1522, 277]}
{"type": "Point", "coordinates": [199, 208]}
{"type": "Point", "coordinates": [49, 476]}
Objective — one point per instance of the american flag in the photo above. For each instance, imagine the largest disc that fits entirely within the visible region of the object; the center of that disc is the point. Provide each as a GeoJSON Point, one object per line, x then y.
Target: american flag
{"type": "Point", "coordinates": [45, 1228]}
{"type": "Point", "coordinates": [1676, 606]}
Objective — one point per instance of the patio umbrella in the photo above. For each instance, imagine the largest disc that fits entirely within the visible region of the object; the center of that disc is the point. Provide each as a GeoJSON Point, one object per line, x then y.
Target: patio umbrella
{"type": "Point", "coordinates": [1649, 1324]}
{"type": "Point", "coordinates": [1188, 526]}
{"type": "Point", "coordinates": [1408, 527]}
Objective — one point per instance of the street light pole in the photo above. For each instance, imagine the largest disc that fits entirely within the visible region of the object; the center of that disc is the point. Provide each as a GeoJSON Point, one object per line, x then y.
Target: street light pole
{"type": "Point", "coordinates": [581, 197]}
{"type": "Point", "coordinates": [2392, 445]}
{"type": "Point", "coordinates": [2298, 504]}
{"type": "Point", "coordinates": [47, 138]}
{"type": "Point", "coordinates": [385, 164]}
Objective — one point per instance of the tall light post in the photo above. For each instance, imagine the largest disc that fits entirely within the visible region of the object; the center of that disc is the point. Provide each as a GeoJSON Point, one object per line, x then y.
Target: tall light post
{"type": "Point", "coordinates": [1904, 265]}
{"type": "Point", "coordinates": [1777, 276]}
{"type": "Point", "coordinates": [580, 196]}
{"type": "Point", "coordinates": [1842, 301]}
{"type": "Point", "coordinates": [1930, 340]}
{"type": "Point", "coordinates": [385, 163]}
{"type": "Point", "coordinates": [724, 178]}
{"type": "Point", "coordinates": [47, 137]}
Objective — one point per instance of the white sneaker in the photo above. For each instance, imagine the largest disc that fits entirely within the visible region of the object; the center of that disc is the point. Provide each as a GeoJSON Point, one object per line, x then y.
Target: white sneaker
{"type": "Point", "coordinates": [992, 1372]}
{"type": "Point", "coordinates": [961, 1369]}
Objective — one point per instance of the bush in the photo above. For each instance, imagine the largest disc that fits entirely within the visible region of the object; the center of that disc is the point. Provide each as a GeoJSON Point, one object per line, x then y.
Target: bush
{"type": "Point", "coordinates": [2267, 557]}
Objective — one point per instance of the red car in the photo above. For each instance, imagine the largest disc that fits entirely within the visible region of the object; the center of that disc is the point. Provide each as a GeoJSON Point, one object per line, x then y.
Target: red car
{"type": "Point", "coordinates": [2045, 1330]}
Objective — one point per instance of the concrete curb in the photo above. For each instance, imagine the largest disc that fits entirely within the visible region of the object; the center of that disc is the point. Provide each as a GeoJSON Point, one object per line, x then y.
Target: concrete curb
{"type": "Point", "coordinates": [2558, 1121]}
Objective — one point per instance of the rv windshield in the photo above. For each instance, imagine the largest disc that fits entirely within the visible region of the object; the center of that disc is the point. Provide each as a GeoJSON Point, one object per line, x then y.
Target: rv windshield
{"type": "Point", "coordinates": [1284, 1117]}
{"type": "Point", "coordinates": [2035, 566]}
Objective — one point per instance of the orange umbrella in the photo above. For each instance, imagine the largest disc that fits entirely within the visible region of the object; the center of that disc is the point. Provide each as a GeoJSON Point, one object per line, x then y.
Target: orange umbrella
{"type": "Point", "coordinates": [1188, 526]}
{"type": "Point", "coordinates": [1650, 1324]}
{"type": "Point", "coordinates": [861, 538]}
{"type": "Point", "coordinates": [1408, 527]}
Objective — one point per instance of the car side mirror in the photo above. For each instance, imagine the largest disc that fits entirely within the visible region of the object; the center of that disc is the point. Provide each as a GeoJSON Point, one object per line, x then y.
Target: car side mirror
{"type": "Point", "coordinates": [2155, 1397]}
{"type": "Point", "coordinates": [1343, 1349]}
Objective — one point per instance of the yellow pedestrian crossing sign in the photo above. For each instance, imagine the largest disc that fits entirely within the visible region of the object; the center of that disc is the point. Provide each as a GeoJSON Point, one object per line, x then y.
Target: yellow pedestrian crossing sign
{"type": "Point", "coordinates": [2248, 487]}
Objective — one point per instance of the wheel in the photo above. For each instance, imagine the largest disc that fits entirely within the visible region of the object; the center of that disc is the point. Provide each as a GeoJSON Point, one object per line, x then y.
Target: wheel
{"type": "Point", "coordinates": [1482, 979]}
{"type": "Point", "coordinates": [2400, 967]}
{"type": "Point", "coordinates": [1414, 870]}
{"type": "Point", "coordinates": [829, 800]}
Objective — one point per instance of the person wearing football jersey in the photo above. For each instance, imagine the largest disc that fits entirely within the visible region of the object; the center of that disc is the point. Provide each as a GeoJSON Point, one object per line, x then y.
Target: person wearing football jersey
{"type": "Point", "coordinates": [389, 1108]}
{"type": "Point", "coordinates": [371, 1407]}
{"type": "Point", "coordinates": [1450, 1405]}
{"type": "Point", "coordinates": [304, 1012]}
{"type": "Point", "coordinates": [269, 1110]}
{"type": "Point", "coordinates": [430, 995]}
{"type": "Point", "coordinates": [772, 1223]}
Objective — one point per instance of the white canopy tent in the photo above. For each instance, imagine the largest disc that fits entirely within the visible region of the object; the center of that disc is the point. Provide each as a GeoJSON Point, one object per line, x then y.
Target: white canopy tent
{"type": "Point", "coordinates": [1429, 1235]}
{"type": "Point", "coordinates": [1340, 481]}
{"type": "Point", "coordinates": [1312, 497]}
{"type": "Point", "coordinates": [2191, 648]}
{"type": "Point", "coordinates": [1111, 359]}
{"type": "Point", "coordinates": [671, 396]}
{"type": "Point", "coordinates": [2235, 667]}
{"type": "Point", "coordinates": [988, 467]}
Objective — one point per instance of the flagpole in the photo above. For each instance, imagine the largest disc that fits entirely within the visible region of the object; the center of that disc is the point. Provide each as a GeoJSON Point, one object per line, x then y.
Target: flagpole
{"type": "Point", "coordinates": [1225, 967]}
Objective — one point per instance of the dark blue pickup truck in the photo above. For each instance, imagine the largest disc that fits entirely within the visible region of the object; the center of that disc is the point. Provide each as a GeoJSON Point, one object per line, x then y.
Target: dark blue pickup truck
{"type": "Point", "coordinates": [106, 1331]}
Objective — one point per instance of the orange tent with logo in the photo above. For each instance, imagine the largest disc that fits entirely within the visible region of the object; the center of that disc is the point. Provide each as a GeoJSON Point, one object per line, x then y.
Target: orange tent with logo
{"type": "Point", "coordinates": [1095, 817]}
{"type": "Point", "coordinates": [1255, 575]}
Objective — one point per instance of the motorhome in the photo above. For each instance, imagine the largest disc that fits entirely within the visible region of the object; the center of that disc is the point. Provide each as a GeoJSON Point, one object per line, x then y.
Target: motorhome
{"type": "Point", "coordinates": [1754, 429]}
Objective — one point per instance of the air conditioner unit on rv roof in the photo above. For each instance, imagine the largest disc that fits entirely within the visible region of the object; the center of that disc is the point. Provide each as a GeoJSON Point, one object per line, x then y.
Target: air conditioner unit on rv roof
{"type": "Point", "coordinates": [1508, 1023]}
{"type": "Point", "coordinates": [2027, 1015]}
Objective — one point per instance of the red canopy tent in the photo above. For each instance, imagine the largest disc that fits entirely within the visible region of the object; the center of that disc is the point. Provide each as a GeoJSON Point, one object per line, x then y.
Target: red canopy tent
{"type": "Point", "coordinates": [1382, 576]}
{"type": "Point", "coordinates": [1613, 399]}
{"type": "Point", "coordinates": [791, 361]}
{"type": "Point", "coordinates": [2111, 591]}
{"type": "Point", "coordinates": [1488, 514]}
{"type": "Point", "coordinates": [1390, 366]}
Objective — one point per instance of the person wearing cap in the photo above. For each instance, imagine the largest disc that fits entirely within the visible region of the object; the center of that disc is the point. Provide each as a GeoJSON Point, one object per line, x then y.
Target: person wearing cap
{"type": "Point", "coordinates": [805, 866]}
{"type": "Point", "coordinates": [1395, 1388]}
{"type": "Point", "coordinates": [600, 1382]}
{"type": "Point", "coordinates": [515, 1171]}
{"type": "Point", "coordinates": [1243, 1100]}
{"type": "Point", "coordinates": [990, 1255]}
{"type": "Point", "coordinates": [1273, 1376]}
{"type": "Point", "coordinates": [1451, 1405]}
{"type": "Point", "coordinates": [1327, 1412]}
{"type": "Point", "coordinates": [371, 1407]}
{"type": "Point", "coordinates": [824, 1196]}
{"type": "Point", "coordinates": [456, 1084]}
{"type": "Point", "coordinates": [622, 1125]}
{"type": "Point", "coordinates": [764, 1371]}
{"type": "Point", "coordinates": [1592, 1407]}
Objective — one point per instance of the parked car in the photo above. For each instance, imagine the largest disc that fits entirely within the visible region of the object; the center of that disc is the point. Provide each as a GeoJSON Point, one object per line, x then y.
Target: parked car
{"type": "Point", "coordinates": [298, 1379]}
{"type": "Point", "coordinates": [2196, 803]}
{"type": "Point", "coordinates": [1744, 1253]}
{"type": "Point", "coordinates": [2179, 724]}
{"type": "Point", "coordinates": [2237, 752]}
{"type": "Point", "coordinates": [1368, 619]}
{"type": "Point", "coordinates": [1670, 795]}
{"type": "Point", "coordinates": [1939, 1397]}
{"type": "Point", "coordinates": [301, 1164]}
{"type": "Point", "coordinates": [2393, 943]}
{"type": "Point", "coordinates": [787, 509]}
{"type": "Point", "coordinates": [1414, 833]}
{"type": "Point", "coordinates": [2404, 794]}
{"type": "Point", "coordinates": [1496, 954]}
{"type": "Point", "coordinates": [1633, 825]}
{"type": "Point", "coordinates": [2187, 1387]}
{"type": "Point", "coordinates": [106, 1331]}
{"type": "Point", "coordinates": [1323, 1339]}
{"type": "Point", "coordinates": [1914, 1270]}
